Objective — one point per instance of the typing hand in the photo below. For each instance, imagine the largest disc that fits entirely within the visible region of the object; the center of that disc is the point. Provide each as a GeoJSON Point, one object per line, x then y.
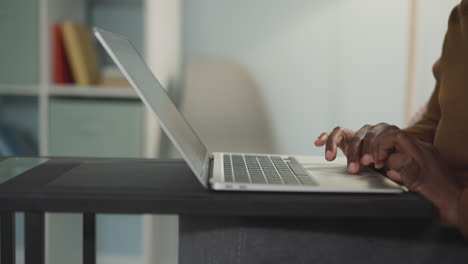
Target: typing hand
{"type": "Point", "coordinates": [421, 169]}
{"type": "Point", "coordinates": [359, 147]}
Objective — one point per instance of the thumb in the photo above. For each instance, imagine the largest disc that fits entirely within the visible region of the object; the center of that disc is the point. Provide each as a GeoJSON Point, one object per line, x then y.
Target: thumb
{"type": "Point", "coordinates": [410, 175]}
{"type": "Point", "coordinates": [394, 176]}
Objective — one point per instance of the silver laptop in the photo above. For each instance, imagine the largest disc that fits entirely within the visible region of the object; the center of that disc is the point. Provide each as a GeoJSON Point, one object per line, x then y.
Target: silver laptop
{"type": "Point", "coordinates": [236, 171]}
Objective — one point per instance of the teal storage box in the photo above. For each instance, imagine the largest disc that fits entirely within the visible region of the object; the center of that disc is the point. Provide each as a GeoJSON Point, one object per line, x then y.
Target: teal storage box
{"type": "Point", "coordinates": [96, 128]}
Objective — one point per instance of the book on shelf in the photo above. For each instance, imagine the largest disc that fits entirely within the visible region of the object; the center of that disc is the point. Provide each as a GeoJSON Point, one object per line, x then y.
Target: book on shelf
{"type": "Point", "coordinates": [61, 67]}
{"type": "Point", "coordinates": [81, 53]}
{"type": "Point", "coordinates": [75, 59]}
{"type": "Point", "coordinates": [113, 77]}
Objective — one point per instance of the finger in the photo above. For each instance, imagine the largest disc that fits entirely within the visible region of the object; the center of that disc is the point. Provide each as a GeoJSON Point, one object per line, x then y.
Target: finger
{"type": "Point", "coordinates": [366, 148]}
{"type": "Point", "coordinates": [385, 142]}
{"type": "Point", "coordinates": [354, 155]}
{"type": "Point", "coordinates": [394, 175]}
{"type": "Point", "coordinates": [354, 149]}
{"type": "Point", "coordinates": [410, 146]}
{"type": "Point", "coordinates": [410, 176]}
{"type": "Point", "coordinates": [368, 140]}
{"type": "Point", "coordinates": [333, 140]}
{"type": "Point", "coordinates": [322, 139]}
{"type": "Point", "coordinates": [383, 145]}
{"type": "Point", "coordinates": [396, 161]}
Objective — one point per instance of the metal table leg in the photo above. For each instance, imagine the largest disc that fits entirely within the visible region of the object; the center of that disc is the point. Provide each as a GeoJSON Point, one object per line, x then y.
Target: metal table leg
{"type": "Point", "coordinates": [7, 238]}
{"type": "Point", "coordinates": [89, 238]}
{"type": "Point", "coordinates": [34, 242]}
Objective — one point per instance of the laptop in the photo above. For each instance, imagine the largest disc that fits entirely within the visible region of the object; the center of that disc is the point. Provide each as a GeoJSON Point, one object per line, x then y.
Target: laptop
{"type": "Point", "coordinates": [223, 171]}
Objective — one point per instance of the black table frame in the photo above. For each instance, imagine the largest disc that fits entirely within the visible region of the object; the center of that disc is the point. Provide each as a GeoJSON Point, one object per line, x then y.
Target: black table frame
{"type": "Point", "coordinates": [35, 238]}
{"type": "Point", "coordinates": [216, 229]}
{"type": "Point", "coordinates": [200, 210]}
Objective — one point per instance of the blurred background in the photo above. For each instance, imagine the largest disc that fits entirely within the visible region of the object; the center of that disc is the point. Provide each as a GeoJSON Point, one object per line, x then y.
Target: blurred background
{"type": "Point", "coordinates": [249, 75]}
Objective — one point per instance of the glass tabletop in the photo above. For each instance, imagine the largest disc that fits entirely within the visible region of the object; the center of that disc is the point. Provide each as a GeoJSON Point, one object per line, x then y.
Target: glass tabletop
{"type": "Point", "coordinates": [12, 167]}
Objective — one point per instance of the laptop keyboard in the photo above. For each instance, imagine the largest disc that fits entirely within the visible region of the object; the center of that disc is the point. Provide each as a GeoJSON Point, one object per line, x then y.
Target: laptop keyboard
{"type": "Point", "coordinates": [263, 169]}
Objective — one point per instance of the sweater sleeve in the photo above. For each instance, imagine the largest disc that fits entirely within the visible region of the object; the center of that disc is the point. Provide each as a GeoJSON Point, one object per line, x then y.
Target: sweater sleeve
{"type": "Point", "coordinates": [425, 128]}
{"type": "Point", "coordinates": [463, 213]}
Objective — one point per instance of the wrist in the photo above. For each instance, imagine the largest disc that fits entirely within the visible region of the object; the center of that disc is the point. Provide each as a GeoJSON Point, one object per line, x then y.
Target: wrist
{"type": "Point", "coordinates": [446, 197]}
{"type": "Point", "coordinates": [451, 214]}
{"type": "Point", "coordinates": [450, 197]}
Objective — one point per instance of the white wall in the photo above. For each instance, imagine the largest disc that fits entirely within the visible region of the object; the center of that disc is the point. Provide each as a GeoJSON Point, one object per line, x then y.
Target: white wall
{"type": "Point", "coordinates": [318, 63]}
{"type": "Point", "coordinates": [432, 24]}
{"type": "Point", "coordinates": [163, 55]}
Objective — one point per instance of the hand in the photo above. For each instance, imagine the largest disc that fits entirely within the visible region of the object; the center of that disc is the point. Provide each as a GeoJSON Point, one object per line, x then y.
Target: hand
{"type": "Point", "coordinates": [358, 146]}
{"type": "Point", "coordinates": [421, 169]}
{"type": "Point", "coordinates": [339, 138]}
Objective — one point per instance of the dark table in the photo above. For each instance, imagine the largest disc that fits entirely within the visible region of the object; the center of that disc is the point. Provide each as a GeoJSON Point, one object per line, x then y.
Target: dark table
{"type": "Point", "coordinates": [223, 227]}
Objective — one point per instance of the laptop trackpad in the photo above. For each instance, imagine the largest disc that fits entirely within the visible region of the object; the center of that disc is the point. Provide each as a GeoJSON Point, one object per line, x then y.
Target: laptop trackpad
{"type": "Point", "coordinates": [336, 176]}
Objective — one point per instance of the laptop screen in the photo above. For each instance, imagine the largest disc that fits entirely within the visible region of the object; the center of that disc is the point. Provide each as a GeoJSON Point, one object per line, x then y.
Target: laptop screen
{"type": "Point", "coordinates": [155, 97]}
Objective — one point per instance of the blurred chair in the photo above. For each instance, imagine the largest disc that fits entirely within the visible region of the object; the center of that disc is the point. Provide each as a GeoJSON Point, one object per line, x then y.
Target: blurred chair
{"type": "Point", "coordinates": [225, 107]}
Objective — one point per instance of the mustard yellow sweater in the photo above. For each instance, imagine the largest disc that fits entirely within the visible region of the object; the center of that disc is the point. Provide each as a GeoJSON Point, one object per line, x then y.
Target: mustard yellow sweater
{"type": "Point", "coordinates": [445, 122]}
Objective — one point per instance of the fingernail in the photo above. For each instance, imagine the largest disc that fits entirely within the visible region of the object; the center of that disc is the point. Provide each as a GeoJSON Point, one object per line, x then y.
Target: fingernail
{"type": "Point", "coordinates": [366, 159]}
{"type": "Point", "coordinates": [328, 154]}
{"type": "Point", "coordinates": [379, 165]}
{"type": "Point", "coordinates": [352, 167]}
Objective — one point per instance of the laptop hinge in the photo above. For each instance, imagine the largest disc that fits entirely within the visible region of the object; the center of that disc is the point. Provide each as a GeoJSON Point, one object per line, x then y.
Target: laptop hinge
{"type": "Point", "coordinates": [210, 168]}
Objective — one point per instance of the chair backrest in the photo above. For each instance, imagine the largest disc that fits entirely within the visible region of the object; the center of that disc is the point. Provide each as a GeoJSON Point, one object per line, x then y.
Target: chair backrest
{"type": "Point", "coordinates": [223, 103]}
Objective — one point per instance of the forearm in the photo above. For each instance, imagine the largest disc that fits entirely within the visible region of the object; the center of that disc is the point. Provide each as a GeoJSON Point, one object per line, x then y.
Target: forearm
{"type": "Point", "coordinates": [423, 130]}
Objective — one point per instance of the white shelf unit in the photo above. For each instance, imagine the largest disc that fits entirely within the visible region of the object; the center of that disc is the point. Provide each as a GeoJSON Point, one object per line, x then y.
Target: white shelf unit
{"type": "Point", "coordinates": [92, 92]}
{"type": "Point", "coordinates": [162, 52]}
{"type": "Point", "coordinates": [18, 90]}
{"type": "Point", "coordinates": [161, 30]}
